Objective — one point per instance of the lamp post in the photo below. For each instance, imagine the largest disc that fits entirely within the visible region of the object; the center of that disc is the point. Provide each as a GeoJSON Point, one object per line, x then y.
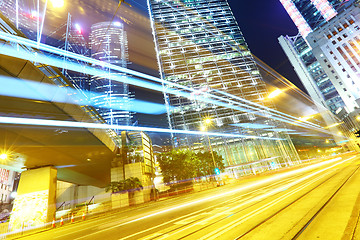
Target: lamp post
{"type": "Point", "coordinates": [208, 121]}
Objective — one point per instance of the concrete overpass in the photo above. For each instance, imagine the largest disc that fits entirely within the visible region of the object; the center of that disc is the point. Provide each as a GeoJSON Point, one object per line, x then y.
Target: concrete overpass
{"type": "Point", "coordinates": [86, 152]}
{"type": "Point", "coordinates": [46, 154]}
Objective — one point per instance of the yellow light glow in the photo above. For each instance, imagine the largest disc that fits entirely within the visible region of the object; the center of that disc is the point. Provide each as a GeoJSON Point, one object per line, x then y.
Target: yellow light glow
{"type": "Point", "coordinates": [333, 125]}
{"type": "Point", "coordinates": [57, 3]}
{"type": "Point", "coordinates": [340, 133]}
{"type": "Point", "coordinates": [208, 121]}
{"type": "Point", "coordinates": [203, 128]}
{"type": "Point", "coordinates": [275, 93]}
{"type": "Point", "coordinates": [358, 118]}
{"type": "Point", "coordinates": [327, 141]}
{"type": "Point", "coordinates": [306, 118]}
{"type": "Point", "coordinates": [3, 156]}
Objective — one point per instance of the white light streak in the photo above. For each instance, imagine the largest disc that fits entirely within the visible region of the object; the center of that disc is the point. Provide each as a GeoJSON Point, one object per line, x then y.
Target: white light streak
{"type": "Point", "coordinates": [58, 123]}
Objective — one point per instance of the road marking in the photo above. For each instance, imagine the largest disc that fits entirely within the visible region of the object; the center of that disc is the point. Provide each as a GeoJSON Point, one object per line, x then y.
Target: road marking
{"type": "Point", "coordinates": [246, 187]}
{"type": "Point", "coordinates": [221, 230]}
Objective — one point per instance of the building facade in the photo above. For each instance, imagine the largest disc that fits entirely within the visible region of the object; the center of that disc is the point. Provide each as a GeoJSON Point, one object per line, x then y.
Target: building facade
{"type": "Point", "coordinates": [201, 49]}
{"type": "Point", "coordinates": [336, 45]}
{"type": "Point", "coordinates": [319, 81]}
{"type": "Point", "coordinates": [312, 75]}
{"type": "Point", "coordinates": [110, 98]}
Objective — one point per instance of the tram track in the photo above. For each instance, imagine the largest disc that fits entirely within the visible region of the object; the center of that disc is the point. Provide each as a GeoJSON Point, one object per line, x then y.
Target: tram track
{"type": "Point", "coordinates": [172, 232]}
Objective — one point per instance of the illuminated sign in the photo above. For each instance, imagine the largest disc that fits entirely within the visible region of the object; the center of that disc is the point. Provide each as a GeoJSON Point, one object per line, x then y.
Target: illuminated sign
{"type": "Point", "coordinates": [4, 175]}
{"type": "Point", "coordinates": [297, 18]}
{"type": "Point", "coordinates": [29, 210]}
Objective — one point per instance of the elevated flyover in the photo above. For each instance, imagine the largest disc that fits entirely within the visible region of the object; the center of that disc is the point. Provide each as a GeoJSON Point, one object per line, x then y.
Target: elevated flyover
{"type": "Point", "coordinates": [45, 154]}
{"type": "Point", "coordinates": [81, 155]}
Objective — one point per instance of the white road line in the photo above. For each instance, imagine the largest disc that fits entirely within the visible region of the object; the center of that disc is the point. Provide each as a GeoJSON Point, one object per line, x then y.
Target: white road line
{"type": "Point", "coordinates": [255, 184]}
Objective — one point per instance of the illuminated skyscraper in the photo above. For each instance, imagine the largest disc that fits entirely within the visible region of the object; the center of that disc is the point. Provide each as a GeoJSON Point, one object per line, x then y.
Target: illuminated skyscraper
{"type": "Point", "coordinates": [200, 47]}
{"type": "Point", "coordinates": [110, 98]}
{"type": "Point", "coordinates": [307, 15]}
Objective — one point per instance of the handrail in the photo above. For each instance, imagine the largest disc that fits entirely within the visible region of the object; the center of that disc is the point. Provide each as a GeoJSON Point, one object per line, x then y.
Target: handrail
{"type": "Point", "coordinates": [60, 206]}
{"type": "Point", "coordinates": [90, 200]}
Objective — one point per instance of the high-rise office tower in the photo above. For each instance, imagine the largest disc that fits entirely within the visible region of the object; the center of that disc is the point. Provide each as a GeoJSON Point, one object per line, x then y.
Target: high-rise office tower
{"type": "Point", "coordinates": [307, 15]}
{"type": "Point", "coordinates": [200, 46]}
{"type": "Point", "coordinates": [316, 82]}
{"type": "Point", "coordinates": [110, 98]}
{"type": "Point", "coordinates": [336, 46]}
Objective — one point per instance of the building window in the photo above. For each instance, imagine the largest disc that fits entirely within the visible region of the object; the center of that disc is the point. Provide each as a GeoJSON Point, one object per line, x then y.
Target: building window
{"type": "Point", "coordinates": [340, 29]}
{"type": "Point", "coordinates": [329, 36]}
{"type": "Point", "coordinates": [334, 33]}
{"type": "Point", "coordinates": [345, 35]}
{"type": "Point", "coordinates": [333, 42]}
{"type": "Point", "coordinates": [344, 89]}
{"type": "Point", "coordinates": [351, 21]}
{"type": "Point", "coordinates": [339, 39]}
{"type": "Point", "coordinates": [356, 27]}
{"type": "Point", "coordinates": [345, 25]}
{"type": "Point", "coordinates": [336, 77]}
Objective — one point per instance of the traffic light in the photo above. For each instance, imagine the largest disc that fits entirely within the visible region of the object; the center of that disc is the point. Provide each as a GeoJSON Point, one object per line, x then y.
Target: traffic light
{"type": "Point", "coordinates": [217, 171]}
{"type": "Point", "coordinates": [357, 133]}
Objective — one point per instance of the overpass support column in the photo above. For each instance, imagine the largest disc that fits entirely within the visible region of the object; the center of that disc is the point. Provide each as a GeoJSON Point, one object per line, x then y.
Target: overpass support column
{"type": "Point", "coordinates": [35, 203]}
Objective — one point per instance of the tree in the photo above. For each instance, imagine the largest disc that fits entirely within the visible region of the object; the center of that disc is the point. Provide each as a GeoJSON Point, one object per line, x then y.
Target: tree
{"type": "Point", "coordinates": [129, 184]}
{"type": "Point", "coordinates": [177, 165]}
{"type": "Point", "coordinates": [205, 165]}
{"type": "Point", "coordinates": [185, 164]}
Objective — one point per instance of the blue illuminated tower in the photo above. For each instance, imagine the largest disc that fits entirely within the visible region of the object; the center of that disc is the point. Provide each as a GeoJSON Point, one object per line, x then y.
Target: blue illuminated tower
{"type": "Point", "coordinates": [110, 98]}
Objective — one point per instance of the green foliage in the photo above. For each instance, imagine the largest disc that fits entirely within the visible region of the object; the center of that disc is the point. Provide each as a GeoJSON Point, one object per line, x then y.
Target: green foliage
{"type": "Point", "coordinates": [205, 165]}
{"type": "Point", "coordinates": [184, 164]}
{"type": "Point", "coordinates": [132, 183]}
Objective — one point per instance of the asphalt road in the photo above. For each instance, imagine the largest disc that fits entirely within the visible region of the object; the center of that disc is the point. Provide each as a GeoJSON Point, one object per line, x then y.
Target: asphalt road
{"type": "Point", "coordinates": [316, 201]}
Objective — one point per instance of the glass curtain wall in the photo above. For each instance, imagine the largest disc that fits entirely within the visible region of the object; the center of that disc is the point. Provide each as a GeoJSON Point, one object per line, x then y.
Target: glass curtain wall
{"type": "Point", "coordinates": [201, 47]}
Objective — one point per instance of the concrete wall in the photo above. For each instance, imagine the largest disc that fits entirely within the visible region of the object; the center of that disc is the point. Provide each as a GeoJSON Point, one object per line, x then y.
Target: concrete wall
{"type": "Point", "coordinates": [73, 194]}
{"type": "Point", "coordinates": [35, 203]}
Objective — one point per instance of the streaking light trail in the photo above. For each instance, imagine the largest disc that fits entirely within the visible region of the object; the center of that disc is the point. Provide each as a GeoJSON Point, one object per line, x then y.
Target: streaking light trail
{"type": "Point", "coordinates": [20, 88]}
{"type": "Point", "coordinates": [136, 82]}
{"type": "Point", "coordinates": [336, 162]}
{"type": "Point", "coordinates": [58, 123]}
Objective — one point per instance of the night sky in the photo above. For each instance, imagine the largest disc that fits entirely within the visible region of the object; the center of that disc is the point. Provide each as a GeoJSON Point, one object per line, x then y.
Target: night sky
{"type": "Point", "coordinates": [262, 22]}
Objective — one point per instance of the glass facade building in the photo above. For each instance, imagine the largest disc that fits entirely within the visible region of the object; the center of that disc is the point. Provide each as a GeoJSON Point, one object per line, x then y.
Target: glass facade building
{"type": "Point", "coordinates": [307, 15]}
{"type": "Point", "coordinates": [112, 99]}
{"type": "Point", "coordinates": [201, 48]}
{"type": "Point", "coordinates": [329, 94]}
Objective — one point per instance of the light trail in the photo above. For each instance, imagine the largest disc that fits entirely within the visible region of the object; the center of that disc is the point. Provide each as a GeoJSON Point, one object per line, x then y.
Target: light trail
{"type": "Point", "coordinates": [240, 189]}
{"type": "Point", "coordinates": [58, 123]}
{"type": "Point", "coordinates": [20, 88]}
{"type": "Point", "coordinates": [96, 72]}
{"type": "Point", "coordinates": [236, 46]}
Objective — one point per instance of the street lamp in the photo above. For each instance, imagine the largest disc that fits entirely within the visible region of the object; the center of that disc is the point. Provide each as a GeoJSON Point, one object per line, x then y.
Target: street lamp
{"type": "Point", "coordinates": [207, 122]}
{"type": "Point", "coordinates": [3, 156]}
{"type": "Point", "coordinates": [57, 3]}
{"type": "Point", "coordinates": [275, 93]}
